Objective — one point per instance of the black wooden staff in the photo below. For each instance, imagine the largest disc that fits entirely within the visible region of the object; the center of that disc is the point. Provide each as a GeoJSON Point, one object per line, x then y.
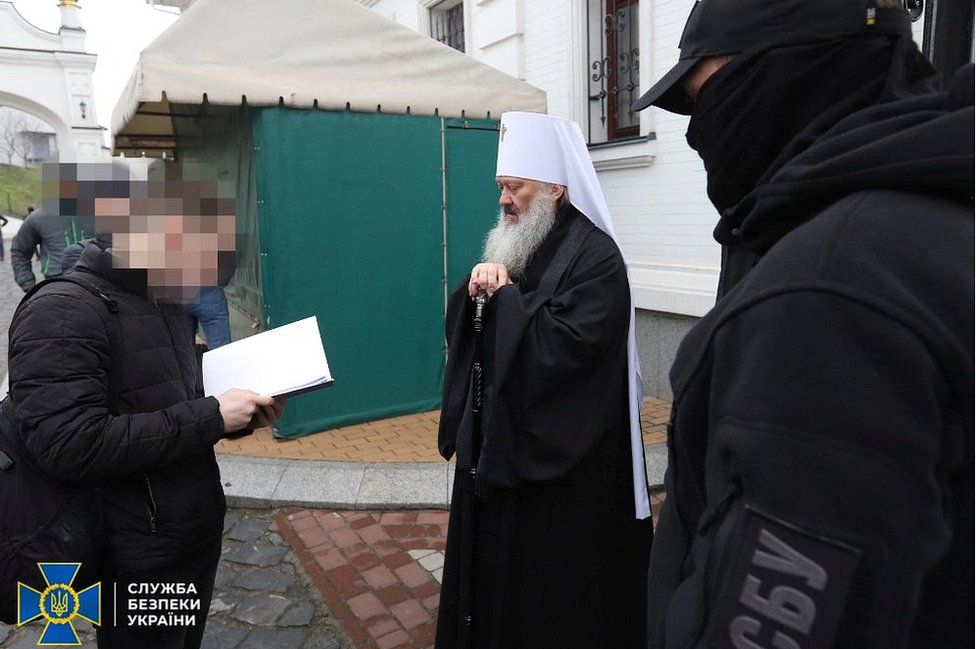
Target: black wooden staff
{"type": "Point", "coordinates": [466, 594]}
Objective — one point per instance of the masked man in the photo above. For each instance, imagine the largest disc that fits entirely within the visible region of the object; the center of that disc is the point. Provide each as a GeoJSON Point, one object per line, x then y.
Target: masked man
{"type": "Point", "coordinates": [550, 519]}
{"type": "Point", "coordinates": [820, 489]}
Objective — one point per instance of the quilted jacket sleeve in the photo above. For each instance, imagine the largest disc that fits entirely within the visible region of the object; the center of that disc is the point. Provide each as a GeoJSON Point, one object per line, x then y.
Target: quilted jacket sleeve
{"type": "Point", "coordinates": [59, 383]}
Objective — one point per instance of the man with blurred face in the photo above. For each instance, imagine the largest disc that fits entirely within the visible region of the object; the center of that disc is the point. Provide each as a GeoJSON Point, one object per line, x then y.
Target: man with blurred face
{"type": "Point", "coordinates": [48, 231]}
{"type": "Point", "coordinates": [106, 386]}
{"type": "Point", "coordinates": [550, 524]}
{"type": "Point", "coordinates": [821, 444]}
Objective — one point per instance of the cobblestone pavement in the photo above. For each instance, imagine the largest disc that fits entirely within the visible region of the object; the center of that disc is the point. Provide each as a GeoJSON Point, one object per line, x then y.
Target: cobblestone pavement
{"type": "Point", "coordinates": [262, 597]}
{"type": "Point", "coordinates": [379, 572]}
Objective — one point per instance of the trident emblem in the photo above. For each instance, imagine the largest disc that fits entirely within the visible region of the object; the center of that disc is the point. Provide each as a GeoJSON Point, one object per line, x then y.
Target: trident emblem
{"type": "Point", "coordinates": [58, 604]}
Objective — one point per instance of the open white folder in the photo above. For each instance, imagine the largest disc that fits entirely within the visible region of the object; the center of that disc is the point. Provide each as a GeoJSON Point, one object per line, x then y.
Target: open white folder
{"type": "Point", "coordinates": [284, 361]}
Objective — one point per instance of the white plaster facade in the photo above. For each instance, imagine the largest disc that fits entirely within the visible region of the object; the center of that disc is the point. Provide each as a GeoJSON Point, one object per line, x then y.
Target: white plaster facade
{"type": "Point", "coordinates": [49, 75]}
{"type": "Point", "coordinates": [655, 187]}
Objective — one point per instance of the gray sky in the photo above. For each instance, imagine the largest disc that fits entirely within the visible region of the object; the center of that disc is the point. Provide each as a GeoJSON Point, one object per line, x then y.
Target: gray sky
{"type": "Point", "coordinates": [117, 30]}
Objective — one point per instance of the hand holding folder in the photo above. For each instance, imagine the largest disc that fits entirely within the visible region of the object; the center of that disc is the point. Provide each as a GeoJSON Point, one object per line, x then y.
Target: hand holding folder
{"type": "Point", "coordinates": [282, 362]}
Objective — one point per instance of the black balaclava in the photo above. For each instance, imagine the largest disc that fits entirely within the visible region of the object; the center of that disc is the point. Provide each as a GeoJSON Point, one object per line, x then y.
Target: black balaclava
{"type": "Point", "coordinates": [766, 106]}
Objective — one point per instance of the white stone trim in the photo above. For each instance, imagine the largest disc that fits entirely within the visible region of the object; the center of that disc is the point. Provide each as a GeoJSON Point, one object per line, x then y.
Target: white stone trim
{"type": "Point", "coordinates": [686, 290]}
{"type": "Point", "coordinates": [627, 155]}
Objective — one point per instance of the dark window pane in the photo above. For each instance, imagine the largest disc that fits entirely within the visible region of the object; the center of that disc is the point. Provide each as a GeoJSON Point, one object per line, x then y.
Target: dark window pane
{"type": "Point", "coordinates": [447, 25]}
{"type": "Point", "coordinates": [612, 73]}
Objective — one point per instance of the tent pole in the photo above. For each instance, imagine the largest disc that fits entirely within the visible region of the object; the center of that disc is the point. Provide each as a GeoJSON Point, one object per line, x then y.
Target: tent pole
{"type": "Point", "coordinates": [444, 215]}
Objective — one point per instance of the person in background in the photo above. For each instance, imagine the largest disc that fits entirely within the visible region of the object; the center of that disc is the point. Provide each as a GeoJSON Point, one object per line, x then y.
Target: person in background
{"type": "Point", "coordinates": [209, 313]}
{"type": "Point", "coordinates": [37, 249]}
{"type": "Point", "coordinates": [72, 254]}
{"type": "Point", "coordinates": [3, 222]}
{"type": "Point", "coordinates": [48, 231]}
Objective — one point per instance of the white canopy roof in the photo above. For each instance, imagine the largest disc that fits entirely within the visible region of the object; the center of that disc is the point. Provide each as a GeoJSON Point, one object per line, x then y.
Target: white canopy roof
{"type": "Point", "coordinates": [302, 53]}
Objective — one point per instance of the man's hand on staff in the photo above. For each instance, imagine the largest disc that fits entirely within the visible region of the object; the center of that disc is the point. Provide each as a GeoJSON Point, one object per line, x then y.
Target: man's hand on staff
{"type": "Point", "coordinates": [242, 408]}
{"type": "Point", "coordinates": [490, 277]}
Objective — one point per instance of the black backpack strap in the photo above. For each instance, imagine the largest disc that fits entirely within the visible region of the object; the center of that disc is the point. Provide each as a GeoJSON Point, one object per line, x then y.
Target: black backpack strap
{"type": "Point", "coordinates": [109, 303]}
{"type": "Point", "coordinates": [578, 231]}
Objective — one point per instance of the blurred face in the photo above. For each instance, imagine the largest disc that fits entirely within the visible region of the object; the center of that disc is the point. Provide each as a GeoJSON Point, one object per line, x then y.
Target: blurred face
{"type": "Point", "coordinates": [170, 238]}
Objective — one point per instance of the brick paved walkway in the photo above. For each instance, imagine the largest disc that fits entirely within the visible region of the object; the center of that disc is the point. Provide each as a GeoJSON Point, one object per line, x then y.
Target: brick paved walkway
{"type": "Point", "coordinates": [411, 438]}
{"type": "Point", "coordinates": [379, 572]}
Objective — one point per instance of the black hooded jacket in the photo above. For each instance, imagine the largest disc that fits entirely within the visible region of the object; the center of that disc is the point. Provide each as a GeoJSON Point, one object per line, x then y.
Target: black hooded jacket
{"type": "Point", "coordinates": [115, 401]}
{"type": "Point", "coordinates": [820, 487]}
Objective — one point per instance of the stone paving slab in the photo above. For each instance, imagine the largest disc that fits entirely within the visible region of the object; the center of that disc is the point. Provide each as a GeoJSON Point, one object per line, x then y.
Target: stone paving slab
{"type": "Point", "coordinates": [274, 482]}
{"type": "Point", "coordinates": [251, 482]}
{"type": "Point", "coordinates": [656, 462]}
{"type": "Point", "coordinates": [379, 572]}
{"type": "Point", "coordinates": [311, 484]}
{"type": "Point", "coordinates": [405, 485]}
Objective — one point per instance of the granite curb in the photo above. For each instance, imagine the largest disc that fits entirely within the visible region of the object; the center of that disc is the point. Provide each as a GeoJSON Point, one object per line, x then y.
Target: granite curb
{"type": "Point", "coordinates": [272, 482]}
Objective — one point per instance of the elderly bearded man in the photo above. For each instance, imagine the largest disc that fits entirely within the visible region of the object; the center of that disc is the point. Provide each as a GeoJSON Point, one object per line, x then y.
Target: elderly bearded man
{"type": "Point", "coordinates": [550, 524]}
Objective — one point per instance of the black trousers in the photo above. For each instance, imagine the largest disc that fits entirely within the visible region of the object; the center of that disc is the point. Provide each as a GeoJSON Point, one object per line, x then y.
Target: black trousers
{"type": "Point", "coordinates": [151, 612]}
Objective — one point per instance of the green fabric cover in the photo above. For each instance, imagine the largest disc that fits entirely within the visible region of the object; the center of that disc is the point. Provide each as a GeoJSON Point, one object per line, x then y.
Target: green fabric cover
{"type": "Point", "coordinates": [472, 194]}
{"type": "Point", "coordinates": [351, 230]}
{"type": "Point", "coordinates": [340, 215]}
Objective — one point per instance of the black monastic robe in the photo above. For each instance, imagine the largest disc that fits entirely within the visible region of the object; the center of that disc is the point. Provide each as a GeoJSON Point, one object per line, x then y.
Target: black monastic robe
{"type": "Point", "coordinates": [559, 559]}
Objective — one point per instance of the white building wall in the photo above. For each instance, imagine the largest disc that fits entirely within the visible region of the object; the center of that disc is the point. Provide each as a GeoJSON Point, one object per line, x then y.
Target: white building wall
{"type": "Point", "coordinates": [547, 48]}
{"type": "Point", "coordinates": [662, 214]}
{"type": "Point", "coordinates": [655, 189]}
{"type": "Point", "coordinates": [405, 12]}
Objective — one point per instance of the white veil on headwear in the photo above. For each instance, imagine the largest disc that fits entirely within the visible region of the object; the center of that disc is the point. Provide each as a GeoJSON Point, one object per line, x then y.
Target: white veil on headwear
{"type": "Point", "coordinates": [552, 150]}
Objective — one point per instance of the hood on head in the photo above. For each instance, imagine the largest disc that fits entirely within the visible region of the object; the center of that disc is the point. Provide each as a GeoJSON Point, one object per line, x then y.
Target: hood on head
{"type": "Point", "coordinates": [921, 144]}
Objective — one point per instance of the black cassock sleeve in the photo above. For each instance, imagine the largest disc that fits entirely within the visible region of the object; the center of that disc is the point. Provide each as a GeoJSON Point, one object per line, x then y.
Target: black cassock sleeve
{"type": "Point", "coordinates": [557, 369]}
{"type": "Point", "coordinates": [460, 345]}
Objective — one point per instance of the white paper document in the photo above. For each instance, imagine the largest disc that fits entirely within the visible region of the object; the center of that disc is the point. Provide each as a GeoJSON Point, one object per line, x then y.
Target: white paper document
{"type": "Point", "coordinates": [283, 361]}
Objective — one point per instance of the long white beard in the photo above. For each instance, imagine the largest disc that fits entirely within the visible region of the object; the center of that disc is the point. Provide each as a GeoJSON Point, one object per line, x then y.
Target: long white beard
{"type": "Point", "coordinates": [513, 244]}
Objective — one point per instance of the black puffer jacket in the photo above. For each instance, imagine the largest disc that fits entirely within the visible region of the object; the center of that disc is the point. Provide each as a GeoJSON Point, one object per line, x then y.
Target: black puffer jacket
{"type": "Point", "coordinates": [114, 400]}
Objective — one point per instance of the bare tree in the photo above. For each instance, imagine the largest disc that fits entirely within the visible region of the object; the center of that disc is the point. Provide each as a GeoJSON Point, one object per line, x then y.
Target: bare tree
{"type": "Point", "coordinates": [16, 128]}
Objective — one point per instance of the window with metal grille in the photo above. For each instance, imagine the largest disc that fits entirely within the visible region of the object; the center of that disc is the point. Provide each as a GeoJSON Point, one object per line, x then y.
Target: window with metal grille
{"type": "Point", "coordinates": [447, 23]}
{"type": "Point", "coordinates": [612, 70]}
